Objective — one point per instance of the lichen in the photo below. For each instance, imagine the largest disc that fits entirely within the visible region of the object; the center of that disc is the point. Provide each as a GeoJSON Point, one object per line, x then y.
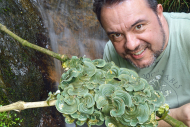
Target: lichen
{"type": "Point", "coordinates": [120, 97]}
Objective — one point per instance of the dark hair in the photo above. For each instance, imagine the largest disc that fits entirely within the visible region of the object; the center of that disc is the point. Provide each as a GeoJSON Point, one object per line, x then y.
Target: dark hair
{"type": "Point", "coordinates": [98, 4]}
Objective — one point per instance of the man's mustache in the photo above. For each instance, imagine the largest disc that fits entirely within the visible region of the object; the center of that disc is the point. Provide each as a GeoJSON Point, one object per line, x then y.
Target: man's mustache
{"type": "Point", "coordinates": [138, 48]}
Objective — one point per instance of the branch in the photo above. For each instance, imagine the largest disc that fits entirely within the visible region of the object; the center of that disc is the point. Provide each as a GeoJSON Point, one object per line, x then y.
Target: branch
{"type": "Point", "coordinates": [173, 122]}
{"type": "Point", "coordinates": [28, 44]}
{"type": "Point", "coordinates": [162, 113]}
{"type": "Point", "coordinates": [21, 105]}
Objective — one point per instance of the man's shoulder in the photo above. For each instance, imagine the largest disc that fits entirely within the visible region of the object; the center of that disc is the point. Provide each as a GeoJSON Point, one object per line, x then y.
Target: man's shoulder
{"type": "Point", "coordinates": [110, 54]}
{"type": "Point", "coordinates": [109, 44]}
{"type": "Point", "coordinates": [176, 15]}
{"type": "Point", "coordinates": [109, 51]}
{"type": "Point", "coordinates": [179, 24]}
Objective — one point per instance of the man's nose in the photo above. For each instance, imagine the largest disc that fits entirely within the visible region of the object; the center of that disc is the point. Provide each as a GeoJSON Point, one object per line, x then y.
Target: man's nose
{"type": "Point", "coordinates": [131, 42]}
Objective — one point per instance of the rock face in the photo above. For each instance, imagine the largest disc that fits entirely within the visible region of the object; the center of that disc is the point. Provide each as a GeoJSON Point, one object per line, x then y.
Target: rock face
{"type": "Point", "coordinates": [75, 27]}
{"type": "Point", "coordinates": [63, 26]}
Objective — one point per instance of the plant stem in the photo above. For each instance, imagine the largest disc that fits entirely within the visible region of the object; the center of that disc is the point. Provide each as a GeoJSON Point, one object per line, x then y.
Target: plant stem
{"type": "Point", "coordinates": [60, 57]}
{"type": "Point", "coordinates": [170, 120]}
{"type": "Point", "coordinates": [173, 122]}
{"type": "Point", "coordinates": [21, 105]}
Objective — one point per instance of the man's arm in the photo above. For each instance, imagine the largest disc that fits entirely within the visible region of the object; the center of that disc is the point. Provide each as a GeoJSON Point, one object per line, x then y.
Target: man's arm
{"type": "Point", "coordinates": [182, 114]}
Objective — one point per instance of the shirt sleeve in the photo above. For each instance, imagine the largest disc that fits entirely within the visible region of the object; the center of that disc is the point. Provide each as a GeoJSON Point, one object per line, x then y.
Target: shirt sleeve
{"type": "Point", "coordinates": [185, 36]}
{"type": "Point", "coordinates": [110, 54]}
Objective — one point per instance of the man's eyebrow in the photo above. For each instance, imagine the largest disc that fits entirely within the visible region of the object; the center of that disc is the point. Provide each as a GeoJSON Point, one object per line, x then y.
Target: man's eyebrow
{"type": "Point", "coordinates": [138, 21]}
{"type": "Point", "coordinates": [109, 33]}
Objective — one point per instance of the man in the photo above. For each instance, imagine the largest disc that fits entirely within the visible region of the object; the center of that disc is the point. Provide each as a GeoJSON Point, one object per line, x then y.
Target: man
{"type": "Point", "coordinates": [152, 43]}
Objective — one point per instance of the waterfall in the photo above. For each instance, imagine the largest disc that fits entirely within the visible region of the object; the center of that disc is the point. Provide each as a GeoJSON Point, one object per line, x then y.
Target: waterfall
{"type": "Point", "coordinates": [48, 22]}
{"type": "Point", "coordinates": [73, 30]}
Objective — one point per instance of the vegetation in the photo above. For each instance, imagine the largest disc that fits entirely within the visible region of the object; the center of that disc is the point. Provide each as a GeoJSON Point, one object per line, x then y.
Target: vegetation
{"type": "Point", "coordinates": [175, 5]}
{"type": "Point", "coordinates": [95, 91]}
{"type": "Point", "coordinates": [9, 120]}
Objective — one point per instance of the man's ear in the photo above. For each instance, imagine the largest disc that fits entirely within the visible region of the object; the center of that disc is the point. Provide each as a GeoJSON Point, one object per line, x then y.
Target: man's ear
{"type": "Point", "coordinates": [159, 11]}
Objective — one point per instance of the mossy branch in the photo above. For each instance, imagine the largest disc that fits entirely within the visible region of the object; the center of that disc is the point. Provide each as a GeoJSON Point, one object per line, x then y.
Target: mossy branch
{"type": "Point", "coordinates": [38, 48]}
{"type": "Point", "coordinates": [163, 115]}
{"type": "Point", "coordinates": [21, 105]}
{"type": "Point", "coordinates": [173, 122]}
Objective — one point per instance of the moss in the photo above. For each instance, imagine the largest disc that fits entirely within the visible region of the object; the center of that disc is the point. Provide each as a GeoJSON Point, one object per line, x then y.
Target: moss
{"type": "Point", "coordinates": [19, 65]}
{"type": "Point", "coordinates": [9, 119]}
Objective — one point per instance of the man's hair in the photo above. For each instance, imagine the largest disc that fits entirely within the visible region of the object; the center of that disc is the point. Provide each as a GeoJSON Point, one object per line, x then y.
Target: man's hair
{"type": "Point", "coordinates": [98, 4]}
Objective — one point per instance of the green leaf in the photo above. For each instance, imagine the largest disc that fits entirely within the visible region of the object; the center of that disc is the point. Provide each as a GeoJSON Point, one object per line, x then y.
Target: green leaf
{"type": "Point", "coordinates": [101, 102]}
{"type": "Point", "coordinates": [69, 75]}
{"type": "Point", "coordinates": [83, 109]}
{"type": "Point", "coordinates": [119, 107]}
{"type": "Point", "coordinates": [113, 72]}
{"type": "Point", "coordinates": [99, 63]}
{"type": "Point", "coordinates": [98, 77]}
{"type": "Point", "coordinates": [125, 97]}
{"type": "Point", "coordinates": [63, 107]}
{"type": "Point", "coordinates": [88, 72]}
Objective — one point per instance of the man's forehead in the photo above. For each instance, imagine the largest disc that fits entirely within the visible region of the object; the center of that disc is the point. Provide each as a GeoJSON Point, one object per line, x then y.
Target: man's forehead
{"type": "Point", "coordinates": [111, 4]}
{"type": "Point", "coordinates": [128, 7]}
{"type": "Point", "coordinates": [124, 8]}
{"type": "Point", "coordinates": [124, 15]}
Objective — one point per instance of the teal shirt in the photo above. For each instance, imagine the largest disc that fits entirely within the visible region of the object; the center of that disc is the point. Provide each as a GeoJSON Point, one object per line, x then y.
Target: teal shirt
{"type": "Point", "coordinates": [170, 74]}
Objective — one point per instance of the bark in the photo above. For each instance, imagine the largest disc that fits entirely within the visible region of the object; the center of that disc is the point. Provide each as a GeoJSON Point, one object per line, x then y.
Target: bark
{"type": "Point", "coordinates": [21, 105]}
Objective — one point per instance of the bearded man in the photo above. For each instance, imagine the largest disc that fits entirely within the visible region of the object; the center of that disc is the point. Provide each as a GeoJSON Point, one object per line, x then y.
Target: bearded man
{"type": "Point", "coordinates": [153, 43]}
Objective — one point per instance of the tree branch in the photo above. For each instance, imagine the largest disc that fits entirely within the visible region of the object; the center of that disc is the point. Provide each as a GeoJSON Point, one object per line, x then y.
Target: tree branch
{"type": "Point", "coordinates": [21, 105]}
{"type": "Point", "coordinates": [60, 57]}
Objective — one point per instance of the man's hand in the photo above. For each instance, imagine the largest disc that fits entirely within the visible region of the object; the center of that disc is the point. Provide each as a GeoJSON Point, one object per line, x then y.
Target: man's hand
{"type": "Point", "coordinates": [182, 114]}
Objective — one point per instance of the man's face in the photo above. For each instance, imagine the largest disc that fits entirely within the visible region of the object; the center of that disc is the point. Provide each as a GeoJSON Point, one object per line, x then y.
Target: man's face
{"type": "Point", "coordinates": [135, 31]}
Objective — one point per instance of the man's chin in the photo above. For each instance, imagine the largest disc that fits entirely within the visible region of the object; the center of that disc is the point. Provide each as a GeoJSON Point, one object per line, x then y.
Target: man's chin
{"type": "Point", "coordinates": [142, 65]}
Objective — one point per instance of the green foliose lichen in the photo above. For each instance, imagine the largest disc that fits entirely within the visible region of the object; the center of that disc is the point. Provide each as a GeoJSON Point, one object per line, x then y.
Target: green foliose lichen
{"type": "Point", "coordinates": [120, 97]}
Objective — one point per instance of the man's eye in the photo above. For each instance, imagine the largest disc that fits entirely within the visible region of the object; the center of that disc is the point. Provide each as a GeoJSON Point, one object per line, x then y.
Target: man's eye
{"type": "Point", "coordinates": [117, 35]}
{"type": "Point", "coordinates": [138, 27]}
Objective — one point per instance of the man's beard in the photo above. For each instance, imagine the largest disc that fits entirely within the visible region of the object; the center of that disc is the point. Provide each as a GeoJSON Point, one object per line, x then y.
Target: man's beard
{"type": "Point", "coordinates": [156, 54]}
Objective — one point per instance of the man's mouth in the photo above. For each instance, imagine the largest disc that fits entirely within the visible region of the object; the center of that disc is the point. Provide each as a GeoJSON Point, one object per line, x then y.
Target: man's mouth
{"type": "Point", "coordinates": [139, 54]}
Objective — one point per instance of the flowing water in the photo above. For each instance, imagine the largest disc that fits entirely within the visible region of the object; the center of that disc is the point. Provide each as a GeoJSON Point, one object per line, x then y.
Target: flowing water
{"type": "Point", "coordinates": [63, 26]}
{"type": "Point", "coordinates": [73, 28]}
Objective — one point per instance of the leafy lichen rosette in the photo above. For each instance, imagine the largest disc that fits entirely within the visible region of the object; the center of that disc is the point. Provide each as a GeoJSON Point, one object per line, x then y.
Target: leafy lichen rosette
{"type": "Point", "coordinates": [94, 91]}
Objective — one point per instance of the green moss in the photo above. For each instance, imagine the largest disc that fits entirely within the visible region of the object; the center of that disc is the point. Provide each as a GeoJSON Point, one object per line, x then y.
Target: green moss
{"type": "Point", "coordinates": [9, 119]}
{"type": "Point", "coordinates": [19, 65]}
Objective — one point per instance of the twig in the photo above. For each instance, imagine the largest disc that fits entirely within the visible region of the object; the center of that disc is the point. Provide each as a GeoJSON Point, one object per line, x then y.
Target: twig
{"type": "Point", "coordinates": [21, 105]}
{"type": "Point", "coordinates": [173, 122]}
{"type": "Point", "coordinates": [28, 44]}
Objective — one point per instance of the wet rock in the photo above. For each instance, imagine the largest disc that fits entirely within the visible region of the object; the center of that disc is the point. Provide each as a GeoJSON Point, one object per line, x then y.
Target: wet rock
{"type": "Point", "coordinates": [66, 27]}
